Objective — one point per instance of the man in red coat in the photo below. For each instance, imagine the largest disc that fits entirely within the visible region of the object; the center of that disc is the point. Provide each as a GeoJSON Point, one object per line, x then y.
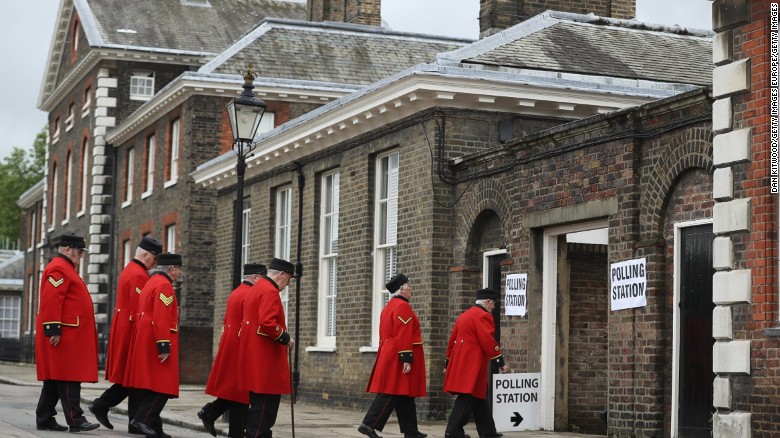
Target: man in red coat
{"type": "Point", "coordinates": [65, 338]}
{"type": "Point", "coordinates": [469, 351]}
{"type": "Point", "coordinates": [153, 368]}
{"type": "Point", "coordinates": [131, 281]}
{"type": "Point", "coordinates": [262, 364]}
{"type": "Point", "coordinates": [223, 380]}
{"type": "Point", "coordinates": [399, 370]}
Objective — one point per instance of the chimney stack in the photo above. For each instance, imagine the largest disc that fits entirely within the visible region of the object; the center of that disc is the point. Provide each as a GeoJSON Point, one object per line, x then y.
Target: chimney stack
{"type": "Point", "coordinates": [497, 15]}
{"type": "Point", "coordinates": [346, 11]}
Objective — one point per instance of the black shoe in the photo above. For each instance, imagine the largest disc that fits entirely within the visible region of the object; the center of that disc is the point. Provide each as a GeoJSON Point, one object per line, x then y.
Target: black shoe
{"type": "Point", "coordinates": [101, 415]}
{"type": "Point", "coordinates": [417, 434]}
{"type": "Point", "coordinates": [144, 429]}
{"type": "Point", "coordinates": [84, 426]}
{"type": "Point", "coordinates": [161, 434]}
{"type": "Point", "coordinates": [52, 425]}
{"type": "Point", "coordinates": [207, 422]}
{"type": "Point", "coordinates": [493, 435]}
{"type": "Point", "coordinates": [367, 431]}
{"type": "Point", "coordinates": [132, 430]}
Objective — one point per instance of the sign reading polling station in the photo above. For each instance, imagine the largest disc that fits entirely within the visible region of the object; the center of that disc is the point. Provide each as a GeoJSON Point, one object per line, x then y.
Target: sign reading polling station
{"type": "Point", "coordinates": [628, 282]}
{"type": "Point", "coordinates": [515, 297]}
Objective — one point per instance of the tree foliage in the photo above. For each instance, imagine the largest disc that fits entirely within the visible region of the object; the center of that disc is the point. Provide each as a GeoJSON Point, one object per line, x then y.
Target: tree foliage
{"type": "Point", "coordinates": [19, 171]}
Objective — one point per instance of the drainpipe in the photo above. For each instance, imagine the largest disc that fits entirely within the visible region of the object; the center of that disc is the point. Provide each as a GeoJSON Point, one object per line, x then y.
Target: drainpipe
{"type": "Point", "coordinates": [298, 273]}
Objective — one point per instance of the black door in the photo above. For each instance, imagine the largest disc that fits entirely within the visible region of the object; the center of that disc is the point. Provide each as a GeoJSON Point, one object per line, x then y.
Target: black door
{"type": "Point", "coordinates": [696, 341]}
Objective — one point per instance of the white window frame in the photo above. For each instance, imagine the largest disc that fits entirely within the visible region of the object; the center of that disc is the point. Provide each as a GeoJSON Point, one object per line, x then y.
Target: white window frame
{"type": "Point", "coordinates": [245, 240]}
{"type": "Point", "coordinates": [33, 224]}
{"type": "Point", "coordinates": [266, 123]}
{"type": "Point", "coordinates": [173, 160]}
{"type": "Point", "coordinates": [55, 189]}
{"type": "Point", "coordinates": [84, 176]}
{"type": "Point", "coordinates": [55, 136]}
{"type": "Point", "coordinates": [142, 85]}
{"type": "Point", "coordinates": [75, 35]}
{"type": "Point", "coordinates": [30, 301]}
{"type": "Point", "coordinates": [127, 252]}
{"type": "Point", "coordinates": [43, 227]}
{"type": "Point", "coordinates": [385, 236]}
{"type": "Point", "coordinates": [282, 231]}
{"type": "Point", "coordinates": [9, 303]}
{"type": "Point", "coordinates": [170, 237]}
{"type": "Point", "coordinates": [150, 152]}
{"type": "Point", "coordinates": [68, 183]}
{"type": "Point", "coordinates": [85, 107]}
{"type": "Point", "coordinates": [69, 119]}
{"type": "Point", "coordinates": [129, 177]}
{"type": "Point", "coordinates": [328, 279]}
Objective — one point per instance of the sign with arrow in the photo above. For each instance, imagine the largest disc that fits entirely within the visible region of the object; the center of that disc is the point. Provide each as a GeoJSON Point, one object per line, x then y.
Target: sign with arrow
{"type": "Point", "coordinates": [516, 401]}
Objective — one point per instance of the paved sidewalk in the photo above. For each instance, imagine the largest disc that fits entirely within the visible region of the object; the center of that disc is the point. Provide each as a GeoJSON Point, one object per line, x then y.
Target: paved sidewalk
{"type": "Point", "coordinates": [310, 421]}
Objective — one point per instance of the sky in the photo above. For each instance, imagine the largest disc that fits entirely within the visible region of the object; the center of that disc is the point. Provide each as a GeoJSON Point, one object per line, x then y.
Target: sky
{"type": "Point", "coordinates": [26, 28]}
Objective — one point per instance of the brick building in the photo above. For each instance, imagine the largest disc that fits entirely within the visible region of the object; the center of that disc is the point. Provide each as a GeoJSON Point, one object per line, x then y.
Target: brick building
{"type": "Point", "coordinates": [498, 158]}
{"type": "Point", "coordinates": [136, 101]}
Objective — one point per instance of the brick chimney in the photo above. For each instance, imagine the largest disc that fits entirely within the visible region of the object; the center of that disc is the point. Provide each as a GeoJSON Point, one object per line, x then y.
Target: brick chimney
{"type": "Point", "coordinates": [497, 15]}
{"type": "Point", "coordinates": [346, 11]}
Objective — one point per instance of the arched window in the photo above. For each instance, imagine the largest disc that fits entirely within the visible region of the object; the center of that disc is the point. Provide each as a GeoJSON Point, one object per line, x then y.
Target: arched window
{"type": "Point", "coordinates": [84, 174]}
{"type": "Point", "coordinates": [68, 183]}
{"type": "Point", "coordinates": [53, 190]}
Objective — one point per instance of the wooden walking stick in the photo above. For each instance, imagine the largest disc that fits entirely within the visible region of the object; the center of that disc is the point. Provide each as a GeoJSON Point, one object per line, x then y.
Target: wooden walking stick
{"type": "Point", "coordinates": [292, 397]}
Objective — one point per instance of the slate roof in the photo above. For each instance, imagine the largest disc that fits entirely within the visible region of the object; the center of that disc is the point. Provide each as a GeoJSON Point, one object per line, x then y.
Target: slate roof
{"type": "Point", "coordinates": [174, 25]}
{"type": "Point", "coordinates": [329, 52]}
{"type": "Point", "coordinates": [591, 45]}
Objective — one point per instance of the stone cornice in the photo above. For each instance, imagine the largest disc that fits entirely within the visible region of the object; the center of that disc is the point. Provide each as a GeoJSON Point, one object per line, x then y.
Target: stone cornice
{"type": "Point", "coordinates": [417, 89]}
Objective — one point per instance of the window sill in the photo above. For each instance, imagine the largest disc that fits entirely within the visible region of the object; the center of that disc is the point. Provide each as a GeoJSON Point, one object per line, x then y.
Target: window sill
{"type": "Point", "coordinates": [64, 222]}
{"type": "Point", "coordinates": [170, 183]}
{"type": "Point", "coordinates": [68, 128]}
{"type": "Point", "coordinates": [144, 98]}
{"type": "Point", "coordinates": [81, 213]}
{"type": "Point", "coordinates": [126, 204]}
{"type": "Point", "coordinates": [30, 249]}
{"type": "Point", "coordinates": [369, 349]}
{"type": "Point", "coordinates": [55, 139]}
{"type": "Point", "coordinates": [320, 349]}
{"type": "Point", "coordinates": [145, 195]}
{"type": "Point", "coordinates": [85, 113]}
{"type": "Point", "coordinates": [41, 244]}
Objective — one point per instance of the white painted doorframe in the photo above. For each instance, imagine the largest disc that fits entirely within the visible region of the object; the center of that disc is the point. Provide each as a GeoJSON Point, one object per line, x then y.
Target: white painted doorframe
{"type": "Point", "coordinates": [549, 323]}
{"type": "Point", "coordinates": [676, 322]}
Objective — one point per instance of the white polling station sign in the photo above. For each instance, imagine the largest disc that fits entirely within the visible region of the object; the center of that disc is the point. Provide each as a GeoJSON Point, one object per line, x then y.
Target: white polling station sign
{"type": "Point", "coordinates": [516, 401]}
{"type": "Point", "coordinates": [516, 296]}
{"type": "Point", "coordinates": [628, 282]}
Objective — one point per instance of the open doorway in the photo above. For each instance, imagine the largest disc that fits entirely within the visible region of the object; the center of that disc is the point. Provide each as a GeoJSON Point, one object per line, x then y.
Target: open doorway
{"type": "Point", "coordinates": [575, 312]}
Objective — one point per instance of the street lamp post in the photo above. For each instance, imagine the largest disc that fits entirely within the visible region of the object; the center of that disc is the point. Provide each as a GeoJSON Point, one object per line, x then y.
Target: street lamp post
{"type": "Point", "coordinates": [245, 113]}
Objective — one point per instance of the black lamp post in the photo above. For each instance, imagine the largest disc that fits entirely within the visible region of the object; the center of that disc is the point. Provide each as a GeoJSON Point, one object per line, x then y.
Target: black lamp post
{"type": "Point", "coordinates": [245, 113]}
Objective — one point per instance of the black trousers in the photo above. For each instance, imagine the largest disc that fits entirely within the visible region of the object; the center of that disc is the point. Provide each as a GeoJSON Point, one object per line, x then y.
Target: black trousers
{"type": "Point", "coordinates": [150, 405]}
{"type": "Point", "coordinates": [465, 405]}
{"type": "Point", "coordinates": [68, 394]}
{"type": "Point", "coordinates": [483, 418]}
{"type": "Point", "coordinates": [261, 417]}
{"type": "Point", "coordinates": [384, 404]}
{"type": "Point", "coordinates": [237, 415]}
{"type": "Point", "coordinates": [114, 395]}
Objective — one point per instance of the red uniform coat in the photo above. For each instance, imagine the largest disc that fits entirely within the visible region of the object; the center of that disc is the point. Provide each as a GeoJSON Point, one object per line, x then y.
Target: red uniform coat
{"type": "Point", "coordinates": [399, 341]}
{"type": "Point", "coordinates": [223, 380]}
{"type": "Point", "coordinates": [470, 348]}
{"type": "Point", "coordinates": [156, 332]}
{"type": "Point", "coordinates": [66, 310]}
{"type": "Point", "coordinates": [262, 364]}
{"type": "Point", "coordinates": [131, 281]}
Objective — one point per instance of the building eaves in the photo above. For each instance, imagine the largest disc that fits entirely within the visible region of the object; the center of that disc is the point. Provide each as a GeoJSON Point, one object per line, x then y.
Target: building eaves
{"type": "Point", "coordinates": [31, 195]}
{"type": "Point", "coordinates": [427, 85]}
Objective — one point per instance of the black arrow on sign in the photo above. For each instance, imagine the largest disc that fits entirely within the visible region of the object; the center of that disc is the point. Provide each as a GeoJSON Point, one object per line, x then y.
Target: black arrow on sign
{"type": "Point", "coordinates": [517, 419]}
